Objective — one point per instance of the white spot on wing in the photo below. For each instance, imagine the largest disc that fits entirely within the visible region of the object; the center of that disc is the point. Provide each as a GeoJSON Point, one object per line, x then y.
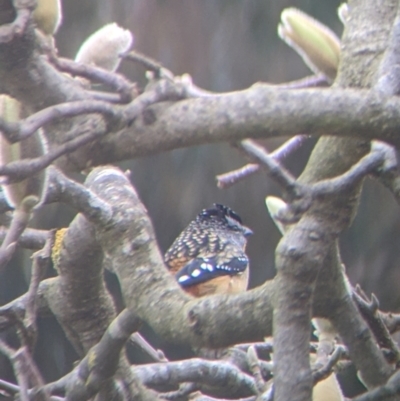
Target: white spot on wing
{"type": "Point", "coordinates": [183, 278]}
{"type": "Point", "coordinates": [196, 273]}
{"type": "Point", "coordinates": [207, 266]}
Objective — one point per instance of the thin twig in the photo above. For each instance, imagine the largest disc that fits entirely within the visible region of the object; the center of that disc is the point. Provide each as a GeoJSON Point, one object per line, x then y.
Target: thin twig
{"type": "Point", "coordinates": [20, 373]}
{"type": "Point", "coordinates": [388, 82]}
{"type": "Point", "coordinates": [312, 81]}
{"type": "Point", "coordinates": [184, 390]}
{"type": "Point", "coordinates": [138, 340]}
{"type": "Point", "coordinates": [370, 311]}
{"type": "Point", "coordinates": [18, 25]}
{"type": "Point", "coordinates": [104, 96]}
{"type": "Point", "coordinates": [201, 397]}
{"type": "Point", "coordinates": [15, 132]}
{"type": "Point", "coordinates": [160, 91]}
{"type": "Point", "coordinates": [25, 370]}
{"type": "Point", "coordinates": [368, 164]}
{"type": "Point", "coordinates": [81, 198]}
{"type": "Point", "coordinates": [117, 82]}
{"type": "Point", "coordinates": [228, 179]}
{"type": "Point", "coordinates": [29, 366]}
{"type": "Point", "coordinates": [195, 370]}
{"type": "Point", "coordinates": [19, 222]}
{"type": "Point", "coordinates": [40, 263]}
{"type": "Point", "coordinates": [13, 389]}
{"type": "Point", "coordinates": [255, 369]}
{"type": "Point", "coordinates": [391, 320]}
{"type": "Point", "coordinates": [10, 388]}
{"type": "Point", "coordinates": [385, 392]}
{"type": "Point", "coordinates": [150, 64]}
{"type": "Point", "coordinates": [101, 361]}
{"type": "Point", "coordinates": [323, 372]}
{"type": "Point", "coordinates": [274, 169]}
{"type": "Point", "coordinates": [31, 238]}
{"type": "Point", "coordinates": [22, 169]}
{"type": "Point", "coordinates": [288, 147]}
{"type": "Point", "coordinates": [268, 347]}
{"type": "Point", "coordinates": [13, 313]}
{"type": "Point", "coordinates": [388, 173]}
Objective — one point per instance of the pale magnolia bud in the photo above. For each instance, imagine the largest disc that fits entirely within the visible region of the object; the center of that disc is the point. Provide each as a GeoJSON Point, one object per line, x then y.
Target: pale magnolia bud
{"type": "Point", "coordinates": [104, 47]}
{"type": "Point", "coordinates": [33, 189]}
{"type": "Point", "coordinates": [343, 12]}
{"type": "Point", "coordinates": [327, 389]}
{"type": "Point", "coordinates": [324, 329]}
{"type": "Point", "coordinates": [314, 42]}
{"type": "Point", "coordinates": [48, 16]}
{"type": "Point", "coordinates": [275, 206]}
{"type": "Point", "coordinates": [10, 109]}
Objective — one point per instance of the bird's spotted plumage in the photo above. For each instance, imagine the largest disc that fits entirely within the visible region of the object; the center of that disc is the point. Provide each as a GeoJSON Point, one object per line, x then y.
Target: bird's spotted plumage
{"type": "Point", "coordinates": [209, 255]}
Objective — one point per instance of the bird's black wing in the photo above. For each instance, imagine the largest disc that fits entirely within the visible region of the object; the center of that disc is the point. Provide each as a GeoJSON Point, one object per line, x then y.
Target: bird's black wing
{"type": "Point", "coordinates": [200, 270]}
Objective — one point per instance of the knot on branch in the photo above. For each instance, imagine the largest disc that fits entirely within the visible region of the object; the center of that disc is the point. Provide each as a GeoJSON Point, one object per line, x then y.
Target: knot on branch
{"type": "Point", "coordinates": [194, 317]}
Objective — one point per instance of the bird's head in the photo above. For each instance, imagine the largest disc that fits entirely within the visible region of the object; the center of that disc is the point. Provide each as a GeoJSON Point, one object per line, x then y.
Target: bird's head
{"type": "Point", "coordinates": [224, 218]}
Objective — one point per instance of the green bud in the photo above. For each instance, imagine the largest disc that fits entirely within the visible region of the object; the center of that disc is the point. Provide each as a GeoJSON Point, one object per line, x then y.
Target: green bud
{"type": "Point", "coordinates": [314, 42]}
{"type": "Point", "coordinates": [343, 12]}
{"type": "Point", "coordinates": [31, 191]}
{"type": "Point", "coordinates": [275, 206]}
{"type": "Point", "coordinates": [48, 16]}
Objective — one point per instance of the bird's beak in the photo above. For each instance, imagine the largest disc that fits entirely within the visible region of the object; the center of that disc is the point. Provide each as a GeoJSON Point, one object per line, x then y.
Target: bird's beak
{"type": "Point", "coordinates": [247, 232]}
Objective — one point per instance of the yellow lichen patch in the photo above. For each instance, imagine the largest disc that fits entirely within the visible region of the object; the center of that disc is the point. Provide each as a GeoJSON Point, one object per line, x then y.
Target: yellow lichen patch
{"type": "Point", "coordinates": [91, 358]}
{"type": "Point", "coordinates": [56, 249]}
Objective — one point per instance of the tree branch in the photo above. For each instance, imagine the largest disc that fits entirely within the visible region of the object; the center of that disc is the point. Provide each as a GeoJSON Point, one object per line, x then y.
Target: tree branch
{"type": "Point", "coordinates": [199, 371]}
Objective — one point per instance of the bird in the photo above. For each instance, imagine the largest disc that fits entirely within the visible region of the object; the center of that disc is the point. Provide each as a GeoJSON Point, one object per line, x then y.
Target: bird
{"type": "Point", "coordinates": [208, 257]}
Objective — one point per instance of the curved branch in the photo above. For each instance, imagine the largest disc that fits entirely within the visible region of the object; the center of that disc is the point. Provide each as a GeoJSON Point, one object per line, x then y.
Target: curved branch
{"type": "Point", "coordinates": [199, 371]}
{"type": "Point", "coordinates": [262, 111]}
{"type": "Point", "coordinates": [153, 294]}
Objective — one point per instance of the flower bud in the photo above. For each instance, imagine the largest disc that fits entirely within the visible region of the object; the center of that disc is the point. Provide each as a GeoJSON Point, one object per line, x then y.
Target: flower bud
{"type": "Point", "coordinates": [48, 16]}
{"type": "Point", "coordinates": [327, 389]}
{"type": "Point", "coordinates": [275, 206]}
{"type": "Point", "coordinates": [104, 47]}
{"type": "Point", "coordinates": [343, 12]}
{"type": "Point", "coordinates": [314, 42]}
{"type": "Point", "coordinates": [32, 190]}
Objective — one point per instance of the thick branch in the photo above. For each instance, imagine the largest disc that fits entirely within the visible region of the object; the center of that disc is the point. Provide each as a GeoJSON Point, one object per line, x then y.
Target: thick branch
{"type": "Point", "coordinates": [262, 111]}
{"type": "Point", "coordinates": [259, 112]}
